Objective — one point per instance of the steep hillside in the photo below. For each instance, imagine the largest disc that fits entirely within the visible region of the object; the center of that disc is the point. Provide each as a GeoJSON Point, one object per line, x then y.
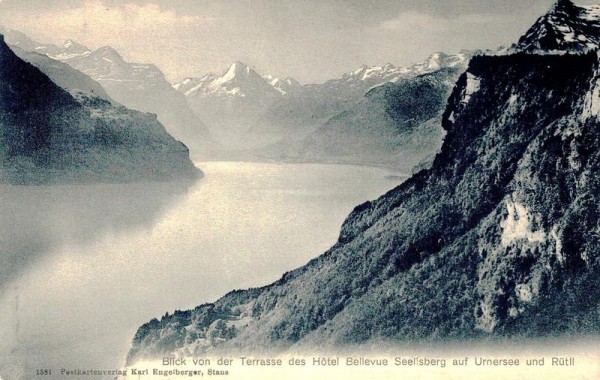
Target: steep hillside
{"type": "Point", "coordinates": [499, 237]}
{"type": "Point", "coordinates": [68, 78]}
{"type": "Point", "coordinates": [141, 87]}
{"type": "Point", "coordinates": [395, 125]}
{"type": "Point", "coordinates": [309, 109]}
{"type": "Point", "coordinates": [47, 135]}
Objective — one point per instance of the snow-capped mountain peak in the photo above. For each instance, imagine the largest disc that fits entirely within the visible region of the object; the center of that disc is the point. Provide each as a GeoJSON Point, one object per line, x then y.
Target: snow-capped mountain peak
{"type": "Point", "coordinates": [240, 80]}
{"type": "Point", "coordinates": [73, 46]}
{"type": "Point", "coordinates": [236, 72]}
{"type": "Point", "coordinates": [433, 62]}
{"type": "Point", "coordinates": [368, 72]}
{"type": "Point", "coordinates": [391, 73]}
{"type": "Point", "coordinates": [185, 84]}
{"type": "Point", "coordinates": [361, 70]}
{"type": "Point", "coordinates": [566, 27]}
{"type": "Point", "coordinates": [238, 68]}
{"type": "Point", "coordinates": [441, 60]}
{"type": "Point", "coordinates": [107, 64]}
{"type": "Point", "coordinates": [70, 49]}
{"type": "Point", "coordinates": [284, 86]}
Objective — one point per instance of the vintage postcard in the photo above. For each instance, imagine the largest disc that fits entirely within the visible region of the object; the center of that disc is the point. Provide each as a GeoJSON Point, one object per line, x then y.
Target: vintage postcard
{"type": "Point", "coordinates": [299, 189]}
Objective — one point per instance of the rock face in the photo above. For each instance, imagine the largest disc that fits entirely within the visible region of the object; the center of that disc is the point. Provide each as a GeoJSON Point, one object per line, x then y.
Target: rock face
{"type": "Point", "coordinates": [51, 136]}
{"type": "Point", "coordinates": [500, 237]}
{"type": "Point", "coordinates": [567, 27]}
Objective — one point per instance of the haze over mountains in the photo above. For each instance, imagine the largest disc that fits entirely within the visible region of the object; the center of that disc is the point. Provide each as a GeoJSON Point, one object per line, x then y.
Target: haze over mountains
{"type": "Point", "coordinates": [142, 87]}
{"type": "Point", "coordinates": [317, 103]}
{"type": "Point", "coordinates": [382, 116]}
{"type": "Point", "coordinates": [232, 102]}
{"type": "Point", "coordinates": [259, 117]}
{"type": "Point", "coordinates": [50, 135]}
{"type": "Point", "coordinates": [498, 238]}
{"type": "Point", "coordinates": [252, 116]}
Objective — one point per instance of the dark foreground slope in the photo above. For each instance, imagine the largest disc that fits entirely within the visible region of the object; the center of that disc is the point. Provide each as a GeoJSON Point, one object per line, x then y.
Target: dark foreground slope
{"type": "Point", "coordinates": [50, 136]}
{"type": "Point", "coordinates": [498, 238]}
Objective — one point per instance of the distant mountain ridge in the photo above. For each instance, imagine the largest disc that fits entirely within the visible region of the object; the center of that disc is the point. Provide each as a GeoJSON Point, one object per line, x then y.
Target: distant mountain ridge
{"type": "Point", "coordinates": [232, 102]}
{"type": "Point", "coordinates": [395, 125]}
{"type": "Point", "coordinates": [239, 80]}
{"type": "Point", "coordinates": [261, 117]}
{"type": "Point", "coordinates": [377, 75]}
{"type": "Point", "coordinates": [70, 79]}
{"type": "Point", "coordinates": [142, 87]}
{"type": "Point", "coordinates": [317, 103]}
{"type": "Point", "coordinates": [48, 135]}
{"type": "Point", "coordinates": [382, 116]}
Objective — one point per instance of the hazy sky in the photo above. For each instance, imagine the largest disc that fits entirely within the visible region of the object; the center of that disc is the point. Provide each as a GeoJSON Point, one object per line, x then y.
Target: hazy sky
{"type": "Point", "coordinates": [310, 40]}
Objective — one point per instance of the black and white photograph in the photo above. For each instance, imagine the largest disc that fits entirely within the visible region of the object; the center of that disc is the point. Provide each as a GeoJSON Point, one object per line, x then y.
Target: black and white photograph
{"type": "Point", "coordinates": [300, 189]}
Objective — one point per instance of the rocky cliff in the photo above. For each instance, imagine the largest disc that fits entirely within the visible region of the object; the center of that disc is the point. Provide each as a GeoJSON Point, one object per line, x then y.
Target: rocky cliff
{"type": "Point", "coordinates": [566, 27]}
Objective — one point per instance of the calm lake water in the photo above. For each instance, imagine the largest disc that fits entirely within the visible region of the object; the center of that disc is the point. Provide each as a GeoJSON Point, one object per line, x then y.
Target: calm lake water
{"type": "Point", "coordinates": [81, 267]}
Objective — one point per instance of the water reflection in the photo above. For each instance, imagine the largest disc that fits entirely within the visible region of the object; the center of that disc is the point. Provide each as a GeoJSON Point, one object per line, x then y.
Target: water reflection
{"type": "Point", "coordinates": [37, 219]}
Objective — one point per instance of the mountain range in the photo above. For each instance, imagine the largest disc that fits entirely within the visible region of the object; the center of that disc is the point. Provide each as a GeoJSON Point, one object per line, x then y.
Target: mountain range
{"type": "Point", "coordinates": [251, 116]}
{"type": "Point", "coordinates": [141, 87]}
{"type": "Point", "coordinates": [75, 133]}
{"type": "Point", "coordinates": [395, 124]}
{"type": "Point", "coordinates": [499, 238]}
{"type": "Point", "coordinates": [240, 81]}
{"type": "Point", "coordinates": [317, 103]}
{"type": "Point", "coordinates": [344, 120]}
{"type": "Point", "coordinates": [231, 103]}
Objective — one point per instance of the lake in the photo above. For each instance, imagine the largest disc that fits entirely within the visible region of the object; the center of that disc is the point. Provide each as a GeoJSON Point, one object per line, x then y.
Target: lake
{"type": "Point", "coordinates": [82, 267]}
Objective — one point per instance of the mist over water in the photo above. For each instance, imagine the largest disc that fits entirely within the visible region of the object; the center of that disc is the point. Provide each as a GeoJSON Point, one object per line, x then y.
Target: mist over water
{"type": "Point", "coordinates": [82, 267]}
{"type": "Point", "coordinates": [37, 219]}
